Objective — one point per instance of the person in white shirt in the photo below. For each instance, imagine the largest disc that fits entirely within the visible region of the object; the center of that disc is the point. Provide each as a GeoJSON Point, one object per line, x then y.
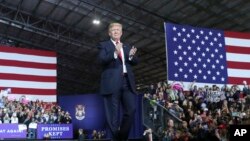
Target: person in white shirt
{"type": "Point", "coordinates": [14, 118]}
{"type": "Point", "coordinates": [6, 118]}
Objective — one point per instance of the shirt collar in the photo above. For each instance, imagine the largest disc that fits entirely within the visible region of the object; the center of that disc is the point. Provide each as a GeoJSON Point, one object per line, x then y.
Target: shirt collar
{"type": "Point", "coordinates": [114, 42]}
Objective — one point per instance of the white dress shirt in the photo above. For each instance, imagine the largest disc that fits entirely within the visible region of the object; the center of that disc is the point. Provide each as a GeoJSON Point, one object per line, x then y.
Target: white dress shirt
{"type": "Point", "coordinates": [123, 58]}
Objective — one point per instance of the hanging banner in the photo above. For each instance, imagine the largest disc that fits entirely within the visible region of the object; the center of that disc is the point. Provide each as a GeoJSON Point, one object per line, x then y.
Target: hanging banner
{"type": "Point", "coordinates": [10, 131]}
{"type": "Point", "coordinates": [55, 131]}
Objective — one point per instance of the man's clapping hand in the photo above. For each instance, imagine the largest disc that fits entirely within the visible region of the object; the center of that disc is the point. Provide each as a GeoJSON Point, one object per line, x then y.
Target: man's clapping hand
{"type": "Point", "coordinates": [132, 51]}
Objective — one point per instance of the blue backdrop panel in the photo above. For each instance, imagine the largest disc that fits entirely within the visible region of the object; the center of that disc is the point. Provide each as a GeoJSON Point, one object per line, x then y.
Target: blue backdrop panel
{"type": "Point", "coordinates": [94, 113]}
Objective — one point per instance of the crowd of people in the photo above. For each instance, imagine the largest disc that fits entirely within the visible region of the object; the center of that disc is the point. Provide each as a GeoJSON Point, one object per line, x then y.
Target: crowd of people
{"type": "Point", "coordinates": [95, 135]}
{"type": "Point", "coordinates": [204, 113]}
{"type": "Point", "coordinates": [23, 112]}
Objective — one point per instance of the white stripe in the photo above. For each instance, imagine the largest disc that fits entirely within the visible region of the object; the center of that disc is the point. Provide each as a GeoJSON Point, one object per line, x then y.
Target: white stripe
{"type": "Point", "coordinates": [27, 71]}
{"type": "Point", "coordinates": [236, 57]}
{"type": "Point", "coordinates": [27, 84]}
{"type": "Point", "coordinates": [238, 73]}
{"type": "Point", "coordinates": [27, 58]}
{"type": "Point", "coordinates": [237, 42]}
{"type": "Point", "coordinates": [45, 98]}
{"type": "Point", "coordinates": [187, 85]}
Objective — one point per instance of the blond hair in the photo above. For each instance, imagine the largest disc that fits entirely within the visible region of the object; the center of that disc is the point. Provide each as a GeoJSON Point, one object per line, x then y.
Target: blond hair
{"type": "Point", "coordinates": [114, 24]}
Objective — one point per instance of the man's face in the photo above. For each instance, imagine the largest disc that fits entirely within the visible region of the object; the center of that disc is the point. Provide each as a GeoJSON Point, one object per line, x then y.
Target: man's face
{"type": "Point", "coordinates": [171, 123]}
{"type": "Point", "coordinates": [115, 32]}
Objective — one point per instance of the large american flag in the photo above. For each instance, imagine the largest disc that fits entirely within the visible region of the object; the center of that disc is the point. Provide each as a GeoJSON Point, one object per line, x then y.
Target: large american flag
{"type": "Point", "coordinates": [28, 73]}
{"type": "Point", "coordinates": [207, 56]}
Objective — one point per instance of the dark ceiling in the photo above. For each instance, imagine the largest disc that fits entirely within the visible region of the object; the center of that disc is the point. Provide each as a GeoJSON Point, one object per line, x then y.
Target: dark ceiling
{"type": "Point", "coordinates": [65, 26]}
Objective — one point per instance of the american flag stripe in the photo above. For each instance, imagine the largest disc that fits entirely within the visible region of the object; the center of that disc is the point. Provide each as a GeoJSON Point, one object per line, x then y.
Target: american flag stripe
{"type": "Point", "coordinates": [27, 64]}
{"type": "Point", "coordinates": [27, 84]}
{"type": "Point", "coordinates": [9, 76]}
{"type": "Point", "coordinates": [207, 56]}
{"type": "Point", "coordinates": [238, 57]}
{"type": "Point", "coordinates": [238, 35]}
{"type": "Point", "coordinates": [28, 52]}
{"type": "Point", "coordinates": [237, 51]}
{"type": "Point", "coordinates": [237, 42]}
{"type": "Point", "coordinates": [29, 72]}
{"type": "Point", "coordinates": [238, 80]}
{"type": "Point", "coordinates": [238, 65]}
{"type": "Point", "coordinates": [238, 73]}
{"type": "Point", "coordinates": [27, 58]}
{"type": "Point", "coordinates": [29, 91]}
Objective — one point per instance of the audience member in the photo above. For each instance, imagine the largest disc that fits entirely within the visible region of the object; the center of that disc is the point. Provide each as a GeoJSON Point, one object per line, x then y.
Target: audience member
{"type": "Point", "coordinates": [81, 135]}
{"type": "Point", "coordinates": [203, 111]}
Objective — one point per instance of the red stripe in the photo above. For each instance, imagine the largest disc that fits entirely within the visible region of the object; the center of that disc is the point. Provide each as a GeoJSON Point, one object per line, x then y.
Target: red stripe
{"type": "Point", "coordinates": [27, 77]}
{"type": "Point", "coordinates": [236, 49]}
{"type": "Point", "coordinates": [237, 35]}
{"type": "Point", "coordinates": [238, 65]}
{"type": "Point", "coordinates": [30, 91]}
{"type": "Point", "coordinates": [27, 64]}
{"type": "Point", "coordinates": [27, 51]}
{"type": "Point", "coordinates": [237, 80]}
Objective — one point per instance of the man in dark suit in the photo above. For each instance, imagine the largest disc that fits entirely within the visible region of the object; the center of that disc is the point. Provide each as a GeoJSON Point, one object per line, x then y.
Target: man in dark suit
{"type": "Point", "coordinates": [117, 82]}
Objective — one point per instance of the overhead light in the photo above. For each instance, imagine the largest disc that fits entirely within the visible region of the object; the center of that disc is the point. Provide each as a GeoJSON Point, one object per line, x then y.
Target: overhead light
{"type": "Point", "coordinates": [96, 21]}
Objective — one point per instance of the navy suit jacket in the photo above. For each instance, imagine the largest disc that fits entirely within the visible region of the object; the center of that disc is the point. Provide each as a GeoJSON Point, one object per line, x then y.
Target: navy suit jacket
{"type": "Point", "coordinates": [111, 77]}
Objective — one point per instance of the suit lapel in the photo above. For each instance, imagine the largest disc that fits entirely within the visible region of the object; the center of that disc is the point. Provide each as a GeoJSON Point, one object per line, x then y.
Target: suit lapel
{"type": "Point", "coordinates": [126, 52]}
{"type": "Point", "coordinates": [111, 45]}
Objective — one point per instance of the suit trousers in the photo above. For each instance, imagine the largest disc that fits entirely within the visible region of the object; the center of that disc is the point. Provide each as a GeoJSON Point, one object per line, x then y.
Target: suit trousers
{"type": "Point", "coordinates": [123, 99]}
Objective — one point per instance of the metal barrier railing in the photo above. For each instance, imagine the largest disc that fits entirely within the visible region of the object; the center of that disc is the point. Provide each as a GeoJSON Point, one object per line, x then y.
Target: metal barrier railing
{"type": "Point", "coordinates": [155, 116]}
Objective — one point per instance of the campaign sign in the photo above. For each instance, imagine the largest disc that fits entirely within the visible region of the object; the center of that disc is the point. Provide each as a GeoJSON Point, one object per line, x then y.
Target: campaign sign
{"type": "Point", "coordinates": [55, 131]}
{"type": "Point", "coordinates": [13, 131]}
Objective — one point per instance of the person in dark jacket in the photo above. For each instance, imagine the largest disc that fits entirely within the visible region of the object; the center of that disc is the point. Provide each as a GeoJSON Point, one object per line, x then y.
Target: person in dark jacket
{"type": "Point", "coordinates": [117, 81]}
